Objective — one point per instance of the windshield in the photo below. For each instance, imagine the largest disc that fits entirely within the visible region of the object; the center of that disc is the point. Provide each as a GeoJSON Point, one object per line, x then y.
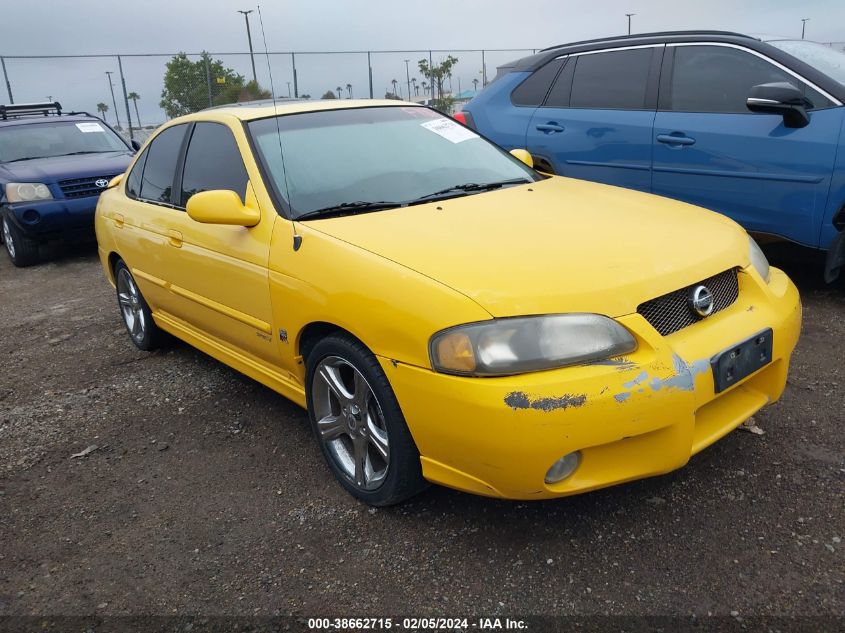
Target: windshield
{"type": "Point", "coordinates": [378, 154]}
{"type": "Point", "coordinates": [825, 59]}
{"type": "Point", "coordinates": [57, 138]}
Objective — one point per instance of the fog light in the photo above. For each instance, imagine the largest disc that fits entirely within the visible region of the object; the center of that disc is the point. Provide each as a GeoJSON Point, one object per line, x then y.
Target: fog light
{"type": "Point", "coordinates": [563, 467]}
{"type": "Point", "coordinates": [31, 216]}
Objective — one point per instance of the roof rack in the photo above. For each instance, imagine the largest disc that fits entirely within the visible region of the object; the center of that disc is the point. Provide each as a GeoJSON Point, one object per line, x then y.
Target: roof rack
{"type": "Point", "coordinates": [637, 36]}
{"type": "Point", "coordinates": [30, 109]}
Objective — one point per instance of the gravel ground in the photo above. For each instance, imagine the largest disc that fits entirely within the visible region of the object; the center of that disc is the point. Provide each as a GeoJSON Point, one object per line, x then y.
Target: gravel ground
{"type": "Point", "coordinates": [206, 494]}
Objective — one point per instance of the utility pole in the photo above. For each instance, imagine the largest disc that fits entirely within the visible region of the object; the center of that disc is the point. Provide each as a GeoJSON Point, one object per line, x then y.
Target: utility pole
{"type": "Point", "coordinates": [803, 26]}
{"type": "Point", "coordinates": [408, 77]}
{"type": "Point", "coordinates": [249, 38]}
{"type": "Point", "coordinates": [629, 21]}
{"type": "Point", "coordinates": [288, 83]}
{"type": "Point", "coordinates": [113, 100]}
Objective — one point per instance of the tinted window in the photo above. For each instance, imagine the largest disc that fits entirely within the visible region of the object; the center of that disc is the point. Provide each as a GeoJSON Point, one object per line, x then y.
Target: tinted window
{"type": "Point", "coordinates": [213, 161]}
{"type": "Point", "coordinates": [49, 137]}
{"type": "Point", "coordinates": [616, 79]}
{"type": "Point", "coordinates": [160, 166]}
{"type": "Point", "coordinates": [559, 96]}
{"type": "Point", "coordinates": [133, 182]}
{"type": "Point", "coordinates": [718, 79]}
{"type": "Point", "coordinates": [532, 91]}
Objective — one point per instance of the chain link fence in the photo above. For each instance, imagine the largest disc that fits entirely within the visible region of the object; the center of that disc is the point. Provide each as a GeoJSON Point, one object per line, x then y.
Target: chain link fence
{"type": "Point", "coordinates": [131, 91]}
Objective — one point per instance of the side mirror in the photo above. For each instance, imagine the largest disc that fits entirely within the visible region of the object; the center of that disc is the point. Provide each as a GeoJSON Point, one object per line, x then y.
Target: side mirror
{"type": "Point", "coordinates": [780, 98]}
{"type": "Point", "coordinates": [524, 156]}
{"type": "Point", "coordinates": [136, 144]}
{"type": "Point", "coordinates": [221, 206]}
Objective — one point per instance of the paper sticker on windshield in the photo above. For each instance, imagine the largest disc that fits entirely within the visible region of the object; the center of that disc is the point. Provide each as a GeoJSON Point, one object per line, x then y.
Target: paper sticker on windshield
{"type": "Point", "coordinates": [449, 130]}
{"type": "Point", "coordinates": [90, 127]}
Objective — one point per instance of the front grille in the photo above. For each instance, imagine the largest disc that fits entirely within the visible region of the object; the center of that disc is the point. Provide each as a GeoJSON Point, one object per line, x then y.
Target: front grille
{"type": "Point", "coordinates": [671, 312]}
{"type": "Point", "coordinates": [82, 187]}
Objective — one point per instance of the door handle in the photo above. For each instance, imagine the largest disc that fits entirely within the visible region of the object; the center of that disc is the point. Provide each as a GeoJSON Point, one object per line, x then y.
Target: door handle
{"type": "Point", "coordinates": [676, 138]}
{"type": "Point", "coordinates": [119, 220]}
{"type": "Point", "coordinates": [175, 238]}
{"type": "Point", "coordinates": [550, 128]}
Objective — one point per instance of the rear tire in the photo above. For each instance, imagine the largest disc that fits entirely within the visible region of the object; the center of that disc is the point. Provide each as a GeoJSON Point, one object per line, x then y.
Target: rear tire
{"type": "Point", "coordinates": [22, 250]}
{"type": "Point", "coordinates": [358, 423]}
{"type": "Point", "coordinates": [137, 316]}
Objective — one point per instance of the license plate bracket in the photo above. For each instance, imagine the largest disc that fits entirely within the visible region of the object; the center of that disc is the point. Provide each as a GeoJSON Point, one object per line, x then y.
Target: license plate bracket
{"type": "Point", "coordinates": [741, 360]}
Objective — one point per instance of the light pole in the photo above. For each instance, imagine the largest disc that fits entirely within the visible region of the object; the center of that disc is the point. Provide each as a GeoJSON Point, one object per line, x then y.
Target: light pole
{"type": "Point", "coordinates": [408, 77]}
{"type": "Point", "coordinates": [249, 38]}
{"type": "Point", "coordinates": [629, 21]}
{"type": "Point", "coordinates": [803, 26]}
{"type": "Point", "coordinates": [288, 83]}
{"type": "Point", "coordinates": [113, 100]}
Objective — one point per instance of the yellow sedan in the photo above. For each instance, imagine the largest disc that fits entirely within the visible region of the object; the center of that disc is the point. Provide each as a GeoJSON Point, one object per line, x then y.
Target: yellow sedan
{"type": "Point", "coordinates": [445, 313]}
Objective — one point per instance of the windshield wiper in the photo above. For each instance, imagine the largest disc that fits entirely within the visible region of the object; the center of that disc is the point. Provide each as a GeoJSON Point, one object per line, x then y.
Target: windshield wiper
{"type": "Point", "coordinates": [15, 160]}
{"type": "Point", "coordinates": [471, 186]}
{"type": "Point", "coordinates": [349, 208]}
{"type": "Point", "coordinates": [91, 151]}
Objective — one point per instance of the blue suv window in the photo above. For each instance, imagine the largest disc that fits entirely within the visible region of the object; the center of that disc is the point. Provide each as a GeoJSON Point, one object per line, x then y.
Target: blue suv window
{"type": "Point", "coordinates": [533, 90]}
{"type": "Point", "coordinates": [719, 78]}
{"type": "Point", "coordinates": [612, 80]}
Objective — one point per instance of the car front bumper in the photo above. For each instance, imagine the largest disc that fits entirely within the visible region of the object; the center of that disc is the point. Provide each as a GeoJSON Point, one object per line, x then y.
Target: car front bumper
{"type": "Point", "coordinates": [55, 219]}
{"type": "Point", "coordinates": [634, 417]}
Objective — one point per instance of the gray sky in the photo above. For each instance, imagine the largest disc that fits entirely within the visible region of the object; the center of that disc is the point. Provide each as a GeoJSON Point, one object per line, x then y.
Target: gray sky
{"type": "Point", "coordinates": [167, 26]}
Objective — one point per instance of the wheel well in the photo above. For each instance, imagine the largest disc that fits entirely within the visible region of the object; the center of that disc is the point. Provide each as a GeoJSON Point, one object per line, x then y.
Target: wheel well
{"type": "Point", "coordinates": [313, 333]}
{"type": "Point", "coordinates": [543, 165]}
{"type": "Point", "coordinates": [113, 257]}
{"type": "Point", "coordinates": [839, 219]}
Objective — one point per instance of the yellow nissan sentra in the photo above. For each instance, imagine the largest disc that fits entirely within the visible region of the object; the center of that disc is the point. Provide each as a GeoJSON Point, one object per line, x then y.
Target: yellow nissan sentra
{"type": "Point", "coordinates": [444, 312]}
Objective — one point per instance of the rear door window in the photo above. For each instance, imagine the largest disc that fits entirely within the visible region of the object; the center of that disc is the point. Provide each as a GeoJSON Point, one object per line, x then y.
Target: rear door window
{"type": "Point", "coordinates": [160, 165]}
{"type": "Point", "coordinates": [612, 80]}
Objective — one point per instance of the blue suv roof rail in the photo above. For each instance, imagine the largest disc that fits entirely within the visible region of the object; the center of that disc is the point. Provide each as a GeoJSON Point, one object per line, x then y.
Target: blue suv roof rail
{"type": "Point", "coordinates": [637, 36]}
{"type": "Point", "coordinates": [30, 109]}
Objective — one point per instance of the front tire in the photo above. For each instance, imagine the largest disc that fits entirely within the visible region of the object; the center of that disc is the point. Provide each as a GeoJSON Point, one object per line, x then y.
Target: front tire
{"type": "Point", "coordinates": [22, 250]}
{"type": "Point", "coordinates": [137, 316]}
{"type": "Point", "coordinates": [358, 423]}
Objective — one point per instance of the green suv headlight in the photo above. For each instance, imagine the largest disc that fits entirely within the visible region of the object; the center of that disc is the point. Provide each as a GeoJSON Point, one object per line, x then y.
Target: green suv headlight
{"type": "Point", "coordinates": [525, 344]}
{"type": "Point", "coordinates": [27, 192]}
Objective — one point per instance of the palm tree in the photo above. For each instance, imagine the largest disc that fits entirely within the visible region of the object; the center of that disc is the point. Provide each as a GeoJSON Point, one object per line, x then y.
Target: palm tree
{"type": "Point", "coordinates": [349, 90]}
{"type": "Point", "coordinates": [394, 82]}
{"type": "Point", "coordinates": [425, 88]}
{"type": "Point", "coordinates": [475, 84]}
{"type": "Point", "coordinates": [135, 96]}
{"type": "Point", "coordinates": [339, 90]}
{"type": "Point", "coordinates": [102, 107]}
{"type": "Point", "coordinates": [414, 84]}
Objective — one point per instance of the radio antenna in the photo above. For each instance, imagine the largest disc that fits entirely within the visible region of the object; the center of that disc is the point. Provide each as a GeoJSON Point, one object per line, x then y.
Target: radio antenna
{"type": "Point", "coordinates": [297, 239]}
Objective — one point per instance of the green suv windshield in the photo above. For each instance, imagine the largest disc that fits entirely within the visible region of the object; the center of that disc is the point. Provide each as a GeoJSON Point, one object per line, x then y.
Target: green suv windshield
{"type": "Point", "coordinates": [369, 159]}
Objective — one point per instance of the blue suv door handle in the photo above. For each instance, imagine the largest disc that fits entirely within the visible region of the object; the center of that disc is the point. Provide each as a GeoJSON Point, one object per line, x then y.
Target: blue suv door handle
{"type": "Point", "coordinates": [675, 138]}
{"type": "Point", "coordinates": [550, 128]}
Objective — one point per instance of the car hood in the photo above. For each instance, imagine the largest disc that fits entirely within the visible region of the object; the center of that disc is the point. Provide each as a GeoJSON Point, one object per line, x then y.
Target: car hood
{"type": "Point", "coordinates": [559, 245]}
{"type": "Point", "coordinates": [57, 168]}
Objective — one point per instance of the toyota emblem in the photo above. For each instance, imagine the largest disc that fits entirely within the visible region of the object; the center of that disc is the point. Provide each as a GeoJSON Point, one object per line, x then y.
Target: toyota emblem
{"type": "Point", "coordinates": [700, 301]}
{"type": "Point", "coordinates": [102, 183]}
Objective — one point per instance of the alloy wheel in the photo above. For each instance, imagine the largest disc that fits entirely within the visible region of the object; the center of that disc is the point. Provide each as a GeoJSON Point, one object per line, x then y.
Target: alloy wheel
{"type": "Point", "coordinates": [350, 423]}
{"type": "Point", "coordinates": [7, 238]}
{"type": "Point", "coordinates": [131, 307]}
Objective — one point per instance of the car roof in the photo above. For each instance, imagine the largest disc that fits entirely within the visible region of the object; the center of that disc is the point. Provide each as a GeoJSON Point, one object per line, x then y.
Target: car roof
{"type": "Point", "coordinates": [52, 118]}
{"type": "Point", "coordinates": [533, 62]}
{"type": "Point", "coordinates": [264, 108]}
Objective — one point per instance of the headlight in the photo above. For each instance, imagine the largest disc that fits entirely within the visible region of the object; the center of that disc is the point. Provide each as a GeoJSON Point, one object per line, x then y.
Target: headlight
{"type": "Point", "coordinates": [524, 344]}
{"type": "Point", "coordinates": [758, 259]}
{"type": "Point", "coordinates": [27, 191]}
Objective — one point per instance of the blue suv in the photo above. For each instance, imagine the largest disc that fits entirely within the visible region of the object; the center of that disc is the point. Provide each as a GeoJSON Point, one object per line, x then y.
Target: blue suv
{"type": "Point", "coordinates": [53, 167]}
{"type": "Point", "coordinates": [750, 128]}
